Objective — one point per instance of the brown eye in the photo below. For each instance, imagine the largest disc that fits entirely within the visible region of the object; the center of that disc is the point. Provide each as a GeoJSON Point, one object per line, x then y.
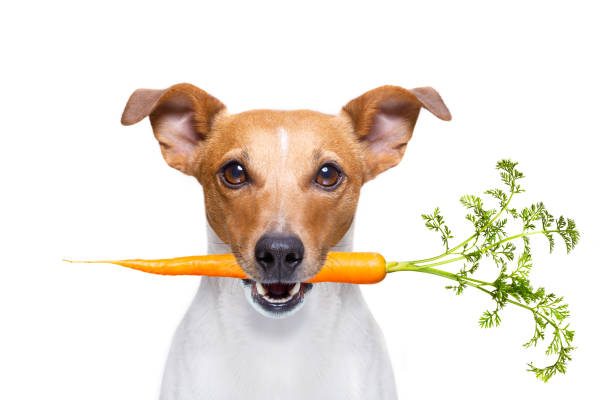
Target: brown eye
{"type": "Point", "coordinates": [234, 174]}
{"type": "Point", "coordinates": [329, 176]}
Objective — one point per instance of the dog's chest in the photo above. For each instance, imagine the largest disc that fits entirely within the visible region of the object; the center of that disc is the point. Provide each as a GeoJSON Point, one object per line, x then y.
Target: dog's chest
{"type": "Point", "coordinates": [223, 350]}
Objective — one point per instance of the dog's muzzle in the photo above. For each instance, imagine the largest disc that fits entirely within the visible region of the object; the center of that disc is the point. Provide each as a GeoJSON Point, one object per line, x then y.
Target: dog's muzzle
{"type": "Point", "coordinates": [278, 292]}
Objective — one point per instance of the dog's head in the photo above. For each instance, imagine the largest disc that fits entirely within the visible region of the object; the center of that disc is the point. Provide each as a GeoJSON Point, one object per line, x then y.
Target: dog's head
{"type": "Point", "coordinates": [281, 187]}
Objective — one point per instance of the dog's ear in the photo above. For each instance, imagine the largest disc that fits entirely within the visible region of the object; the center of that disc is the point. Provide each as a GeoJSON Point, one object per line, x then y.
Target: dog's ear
{"type": "Point", "coordinates": [384, 118]}
{"type": "Point", "coordinates": [181, 116]}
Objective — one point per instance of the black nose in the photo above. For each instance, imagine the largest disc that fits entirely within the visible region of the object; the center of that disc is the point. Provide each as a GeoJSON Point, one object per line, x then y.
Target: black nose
{"type": "Point", "coordinates": [278, 255]}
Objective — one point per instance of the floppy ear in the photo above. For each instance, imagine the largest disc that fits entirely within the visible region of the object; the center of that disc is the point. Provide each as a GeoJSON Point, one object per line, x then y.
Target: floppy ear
{"type": "Point", "coordinates": [181, 116]}
{"type": "Point", "coordinates": [384, 118]}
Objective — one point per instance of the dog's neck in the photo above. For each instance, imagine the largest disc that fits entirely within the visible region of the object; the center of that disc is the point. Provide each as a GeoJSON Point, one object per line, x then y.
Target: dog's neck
{"type": "Point", "coordinates": [217, 246]}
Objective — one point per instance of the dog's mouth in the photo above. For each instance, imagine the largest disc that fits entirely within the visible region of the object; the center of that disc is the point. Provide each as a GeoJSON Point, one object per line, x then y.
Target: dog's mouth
{"type": "Point", "coordinates": [276, 300]}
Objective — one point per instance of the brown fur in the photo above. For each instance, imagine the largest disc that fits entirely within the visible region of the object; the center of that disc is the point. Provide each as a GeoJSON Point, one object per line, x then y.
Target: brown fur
{"type": "Point", "coordinates": [368, 137]}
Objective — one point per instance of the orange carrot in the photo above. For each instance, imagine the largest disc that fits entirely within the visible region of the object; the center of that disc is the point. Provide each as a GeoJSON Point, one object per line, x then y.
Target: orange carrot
{"type": "Point", "coordinates": [339, 267]}
{"type": "Point", "coordinates": [352, 268]}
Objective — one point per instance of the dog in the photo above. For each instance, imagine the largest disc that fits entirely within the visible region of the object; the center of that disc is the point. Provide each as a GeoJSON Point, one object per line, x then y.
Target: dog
{"type": "Point", "coordinates": [280, 191]}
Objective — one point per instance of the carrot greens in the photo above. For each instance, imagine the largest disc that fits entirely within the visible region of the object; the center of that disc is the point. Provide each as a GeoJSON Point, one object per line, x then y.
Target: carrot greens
{"type": "Point", "coordinates": [492, 241]}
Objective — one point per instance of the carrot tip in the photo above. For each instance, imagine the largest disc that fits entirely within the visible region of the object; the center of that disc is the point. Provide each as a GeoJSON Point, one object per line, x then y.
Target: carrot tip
{"type": "Point", "coordinates": [83, 262]}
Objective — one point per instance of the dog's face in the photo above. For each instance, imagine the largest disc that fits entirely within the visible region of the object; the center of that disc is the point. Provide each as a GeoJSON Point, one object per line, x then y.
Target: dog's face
{"type": "Point", "coordinates": [292, 176]}
{"type": "Point", "coordinates": [281, 187]}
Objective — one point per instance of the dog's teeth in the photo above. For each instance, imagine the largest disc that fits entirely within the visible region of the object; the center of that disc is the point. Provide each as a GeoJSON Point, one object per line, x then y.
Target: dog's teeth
{"type": "Point", "coordinates": [263, 292]}
{"type": "Point", "coordinates": [260, 289]}
{"type": "Point", "coordinates": [273, 300]}
{"type": "Point", "coordinates": [294, 289]}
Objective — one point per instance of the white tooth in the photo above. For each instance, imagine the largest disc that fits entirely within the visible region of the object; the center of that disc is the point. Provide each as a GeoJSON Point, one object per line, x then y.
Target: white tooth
{"type": "Point", "coordinates": [260, 289]}
{"type": "Point", "coordinates": [294, 289]}
{"type": "Point", "coordinates": [272, 300]}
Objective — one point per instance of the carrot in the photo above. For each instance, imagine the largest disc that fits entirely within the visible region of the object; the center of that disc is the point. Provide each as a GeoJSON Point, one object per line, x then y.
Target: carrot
{"type": "Point", "coordinates": [339, 267]}
{"type": "Point", "coordinates": [352, 268]}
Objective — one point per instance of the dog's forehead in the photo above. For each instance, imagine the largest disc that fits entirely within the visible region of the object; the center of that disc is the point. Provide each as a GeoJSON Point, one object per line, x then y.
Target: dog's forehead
{"type": "Point", "coordinates": [303, 134]}
{"type": "Point", "coordinates": [270, 125]}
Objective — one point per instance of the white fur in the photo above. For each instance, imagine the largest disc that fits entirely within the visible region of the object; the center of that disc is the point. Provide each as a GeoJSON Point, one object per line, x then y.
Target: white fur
{"type": "Point", "coordinates": [283, 148]}
{"type": "Point", "coordinates": [330, 349]}
{"type": "Point", "coordinates": [283, 143]}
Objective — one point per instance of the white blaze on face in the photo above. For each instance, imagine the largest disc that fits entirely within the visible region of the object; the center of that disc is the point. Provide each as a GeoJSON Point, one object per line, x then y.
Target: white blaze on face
{"type": "Point", "coordinates": [283, 143]}
{"type": "Point", "coordinates": [283, 150]}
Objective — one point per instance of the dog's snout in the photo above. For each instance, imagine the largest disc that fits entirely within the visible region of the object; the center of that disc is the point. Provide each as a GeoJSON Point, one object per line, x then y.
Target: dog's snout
{"type": "Point", "coordinates": [278, 255]}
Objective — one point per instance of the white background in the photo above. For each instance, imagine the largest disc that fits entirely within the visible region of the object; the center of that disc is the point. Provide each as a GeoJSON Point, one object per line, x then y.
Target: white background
{"type": "Point", "coordinates": [529, 81]}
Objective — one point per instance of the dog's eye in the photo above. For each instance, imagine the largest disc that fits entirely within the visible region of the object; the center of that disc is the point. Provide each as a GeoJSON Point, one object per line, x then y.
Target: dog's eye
{"type": "Point", "coordinates": [329, 176]}
{"type": "Point", "coordinates": [234, 174]}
